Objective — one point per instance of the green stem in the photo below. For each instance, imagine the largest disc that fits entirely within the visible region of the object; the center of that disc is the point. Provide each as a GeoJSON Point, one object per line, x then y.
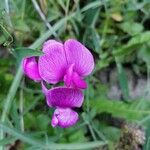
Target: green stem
{"type": "Point", "coordinates": [92, 132]}
{"type": "Point", "coordinates": [21, 110]}
{"type": "Point", "coordinates": [87, 98]}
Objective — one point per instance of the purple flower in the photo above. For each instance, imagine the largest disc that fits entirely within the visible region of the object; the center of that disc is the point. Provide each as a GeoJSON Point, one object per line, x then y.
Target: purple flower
{"type": "Point", "coordinates": [63, 99]}
{"type": "Point", "coordinates": [69, 62]}
{"type": "Point", "coordinates": [30, 68]}
{"type": "Point", "coordinates": [64, 117]}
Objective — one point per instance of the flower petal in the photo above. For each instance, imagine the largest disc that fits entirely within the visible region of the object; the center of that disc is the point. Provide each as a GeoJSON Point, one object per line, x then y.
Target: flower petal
{"type": "Point", "coordinates": [64, 117]}
{"type": "Point", "coordinates": [68, 76]}
{"type": "Point", "coordinates": [30, 68]}
{"type": "Point", "coordinates": [53, 64]}
{"type": "Point", "coordinates": [47, 45]}
{"type": "Point", "coordinates": [78, 82]}
{"type": "Point", "coordinates": [72, 79]}
{"type": "Point", "coordinates": [64, 97]}
{"type": "Point", "coordinates": [79, 55]}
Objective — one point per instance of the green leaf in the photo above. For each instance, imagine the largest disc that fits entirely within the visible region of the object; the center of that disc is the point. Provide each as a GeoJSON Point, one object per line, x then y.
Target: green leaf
{"type": "Point", "coordinates": [92, 5]}
{"type": "Point", "coordinates": [22, 52]}
{"type": "Point", "coordinates": [123, 81]}
{"type": "Point", "coordinates": [131, 28]}
{"type": "Point", "coordinates": [120, 109]}
{"type": "Point", "coordinates": [96, 40]}
{"type": "Point", "coordinates": [139, 39]}
{"type": "Point", "coordinates": [144, 54]}
{"type": "Point", "coordinates": [92, 39]}
{"type": "Point", "coordinates": [133, 44]}
{"type": "Point", "coordinates": [91, 16]}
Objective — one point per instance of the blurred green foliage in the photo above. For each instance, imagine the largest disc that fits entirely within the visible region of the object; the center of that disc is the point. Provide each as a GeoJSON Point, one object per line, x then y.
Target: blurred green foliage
{"type": "Point", "coordinates": [116, 32]}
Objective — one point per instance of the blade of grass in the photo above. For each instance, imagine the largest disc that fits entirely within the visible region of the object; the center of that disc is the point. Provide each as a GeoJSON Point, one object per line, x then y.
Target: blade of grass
{"type": "Point", "coordinates": [8, 12]}
{"type": "Point", "coordinates": [21, 110]}
{"type": "Point", "coordinates": [123, 81]}
{"type": "Point", "coordinates": [93, 5]}
{"type": "Point", "coordinates": [43, 17]}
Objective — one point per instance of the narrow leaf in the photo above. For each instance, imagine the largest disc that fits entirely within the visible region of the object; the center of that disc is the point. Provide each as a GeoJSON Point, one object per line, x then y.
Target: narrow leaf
{"type": "Point", "coordinates": [123, 81]}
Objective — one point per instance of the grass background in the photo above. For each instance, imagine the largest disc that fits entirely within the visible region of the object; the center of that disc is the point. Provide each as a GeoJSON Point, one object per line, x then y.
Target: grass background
{"type": "Point", "coordinates": [116, 32]}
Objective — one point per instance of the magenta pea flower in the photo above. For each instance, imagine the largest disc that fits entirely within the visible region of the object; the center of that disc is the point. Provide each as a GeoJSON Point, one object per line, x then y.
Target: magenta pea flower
{"type": "Point", "coordinates": [30, 68]}
{"type": "Point", "coordinates": [63, 97]}
{"type": "Point", "coordinates": [70, 62]}
{"type": "Point", "coordinates": [64, 100]}
{"type": "Point", "coordinates": [64, 117]}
